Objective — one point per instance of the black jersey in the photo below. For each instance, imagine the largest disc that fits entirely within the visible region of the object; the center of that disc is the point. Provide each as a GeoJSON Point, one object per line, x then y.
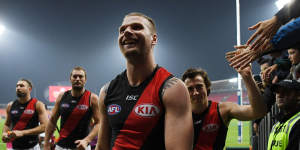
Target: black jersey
{"type": "Point", "coordinates": [66, 107]}
{"type": "Point", "coordinates": [15, 113]}
{"type": "Point", "coordinates": [136, 114]}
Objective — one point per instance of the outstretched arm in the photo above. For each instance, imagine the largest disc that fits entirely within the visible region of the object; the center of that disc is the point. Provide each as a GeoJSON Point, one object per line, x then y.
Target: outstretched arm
{"type": "Point", "coordinates": [178, 117]}
{"type": "Point", "coordinates": [257, 107]}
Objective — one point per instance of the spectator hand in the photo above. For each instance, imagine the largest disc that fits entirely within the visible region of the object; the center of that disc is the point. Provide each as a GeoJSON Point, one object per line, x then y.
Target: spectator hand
{"type": "Point", "coordinates": [265, 30]}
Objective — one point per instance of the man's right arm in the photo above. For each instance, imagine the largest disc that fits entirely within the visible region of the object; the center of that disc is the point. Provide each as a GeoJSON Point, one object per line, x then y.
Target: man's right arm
{"type": "Point", "coordinates": [5, 137]}
{"type": "Point", "coordinates": [51, 125]}
{"type": "Point", "coordinates": [104, 134]}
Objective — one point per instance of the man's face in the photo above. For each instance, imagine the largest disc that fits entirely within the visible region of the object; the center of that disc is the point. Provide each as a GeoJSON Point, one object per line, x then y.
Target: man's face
{"type": "Point", "coordinates": [197, 89]}
{"type": "Point", "coordinates": [135, 36]}
{"type": "Point", "coordinates": [294, 56]}
{"type": "Point", "coordinates": [287, 98]}
{"type": "Point", "coordinates": [22, 89]}
{"type": "Point", "coordinates": [78, 79]}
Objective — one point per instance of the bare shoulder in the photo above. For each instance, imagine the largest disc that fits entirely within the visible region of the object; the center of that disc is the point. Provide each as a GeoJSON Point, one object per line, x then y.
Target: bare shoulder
{"type": "Point", "coordinates": [9, 106]}
{"type": "Point", "coordinates": [104, 88]}
{"type": "Point", "coordinates": [94, 98]}
{"type": "Point", "coordinates": [172, 84]}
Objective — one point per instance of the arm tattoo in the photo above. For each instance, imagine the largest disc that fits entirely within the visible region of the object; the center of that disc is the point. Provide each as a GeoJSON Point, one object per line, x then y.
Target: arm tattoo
{"type": "Point", "coordinates": [168, 84]}
{"type": "Point", "coordinates": [105, 87]}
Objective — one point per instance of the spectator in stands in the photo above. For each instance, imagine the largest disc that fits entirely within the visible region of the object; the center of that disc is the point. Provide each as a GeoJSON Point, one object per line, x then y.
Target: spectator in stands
{"type": "Point", "coordinates": [266, 39]}
{"type": "Point", "coordinates": [285, 134]}
{"type": "Point", "coordinates": [294, 56]}
{"type": "Point", "coordinates": [279, 67]}
{"type": "Point", "coordinates": [264, 64]}
{"type": "Point", "coordinates": [211, 119]}
{"type": "Point", "coordinates": [26, 118]}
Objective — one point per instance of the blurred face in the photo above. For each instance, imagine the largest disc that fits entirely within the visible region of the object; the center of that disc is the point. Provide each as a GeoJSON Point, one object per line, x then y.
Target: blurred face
{"type": "Point", "coordinates": [22, 89]}
{"type": "Point", "coordinates": [78, 79]}
{"type": "Point", "coordinates": [294, 56]}
{"type": "Point", "coordinates": [287, 98]}
{"type": "Point", "coordinates": [197, 89]}
{"type": "Point", "coordinates": [135, 36]}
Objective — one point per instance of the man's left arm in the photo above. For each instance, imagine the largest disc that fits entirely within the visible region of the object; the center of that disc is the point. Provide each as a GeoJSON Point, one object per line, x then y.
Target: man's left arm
{"type": "Point", "coordinates": [178, 116]}
{"type": "Point", "coordinates": [257, 107]}
{"type": "Point", "coordinates": [42, 114]}
{"type": "Point", "coordinates": [96, 117]}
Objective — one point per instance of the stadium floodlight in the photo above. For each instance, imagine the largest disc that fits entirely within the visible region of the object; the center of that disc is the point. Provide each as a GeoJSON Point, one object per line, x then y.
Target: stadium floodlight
{"type": "Point", "coordinates": [2, 29]}
{"type": "Point", "coordinates": [281, 3]}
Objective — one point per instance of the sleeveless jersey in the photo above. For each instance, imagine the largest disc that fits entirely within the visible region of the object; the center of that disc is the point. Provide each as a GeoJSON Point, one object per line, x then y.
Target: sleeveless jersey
{"type": "Point", "coordinates": [136, 114]}
{"type": "Point", "coordinates": [15, 113]}
{"type": "Point", "coordinates": [209, 129]}
{"type": "Point", "coordinates": [66, 106]}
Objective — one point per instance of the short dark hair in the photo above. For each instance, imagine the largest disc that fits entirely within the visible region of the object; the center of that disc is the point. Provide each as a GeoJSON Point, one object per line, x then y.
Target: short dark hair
{"type": "Point", "coordinates": [27, 81]}
{"type": "Point", "coordinates": [78, 68]}
{"type": "Point", "coordinates": [193, 72]}
{"type": "Point", "coordinates": [144, 16]}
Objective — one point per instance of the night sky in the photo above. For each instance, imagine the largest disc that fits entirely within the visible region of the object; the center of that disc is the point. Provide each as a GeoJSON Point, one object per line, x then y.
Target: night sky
{"type": "Point", "coordinates": [44, 40]}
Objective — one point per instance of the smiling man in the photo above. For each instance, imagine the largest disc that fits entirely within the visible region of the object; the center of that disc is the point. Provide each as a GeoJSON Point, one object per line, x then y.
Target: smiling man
{"type": "Point", "coordinates": [144, 107]}
{"type": "Point", "coordinates": [76, 108]}
{"type": "Point", "coordinates": [211, 119]}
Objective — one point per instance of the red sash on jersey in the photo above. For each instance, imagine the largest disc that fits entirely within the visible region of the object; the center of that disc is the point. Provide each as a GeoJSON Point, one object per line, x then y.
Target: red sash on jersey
{"type": "Point", "coordinates": [76, 115]}
{"type": "Point", "coordinates": [26, 116]}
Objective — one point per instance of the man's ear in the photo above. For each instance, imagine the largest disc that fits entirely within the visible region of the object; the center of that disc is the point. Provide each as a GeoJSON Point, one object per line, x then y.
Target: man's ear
{"type": "Point", "coordinates": [154, 39]}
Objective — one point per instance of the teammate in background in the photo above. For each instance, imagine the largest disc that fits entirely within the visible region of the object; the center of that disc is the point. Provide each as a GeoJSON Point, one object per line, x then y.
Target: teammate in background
{"type": "Point", "coordinates": [144, 107]}
{"type": "Point", "coordinates": [26, 118]}
{"type": "Point", "coordinates": [211, 119]}
{"type": "Point", "coordinates": [76, 107]}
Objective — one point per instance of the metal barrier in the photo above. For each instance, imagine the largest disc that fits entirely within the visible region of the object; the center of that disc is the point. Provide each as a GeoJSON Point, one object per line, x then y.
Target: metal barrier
{"type": "Point", "coordinates": [265, 126]}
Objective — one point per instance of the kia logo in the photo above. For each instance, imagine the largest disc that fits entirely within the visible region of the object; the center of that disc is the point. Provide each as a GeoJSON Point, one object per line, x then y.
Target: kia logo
{"type": "Point", "coordinates": [146, 110]}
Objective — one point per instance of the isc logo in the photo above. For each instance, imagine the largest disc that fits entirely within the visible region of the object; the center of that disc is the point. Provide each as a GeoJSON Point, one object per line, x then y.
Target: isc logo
{"type": "Point", "coordinates": [28, 111]}
{"type": "Point", "coordinates": [113, 109]}
{"type": "Point", "coordinates": [146, 110]}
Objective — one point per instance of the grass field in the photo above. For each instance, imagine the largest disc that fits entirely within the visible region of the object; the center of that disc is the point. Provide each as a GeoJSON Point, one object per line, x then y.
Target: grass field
{"type": "Point", "coordinates": [231, 140]}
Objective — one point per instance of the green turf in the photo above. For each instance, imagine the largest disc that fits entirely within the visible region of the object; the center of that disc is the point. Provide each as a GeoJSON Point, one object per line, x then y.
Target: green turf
{"type": "Point", "coordinates": [232, 135]}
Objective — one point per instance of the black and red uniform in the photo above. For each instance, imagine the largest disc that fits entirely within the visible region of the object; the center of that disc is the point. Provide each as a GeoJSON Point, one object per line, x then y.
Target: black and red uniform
{"type": "Point", "coordinates": [209, 129]}
{"type": "Point", "coordinates": [15, 113]}
{"type": "Point", "coordinates": [67, 105]}
{"type": "Point", "coordinates": [136, 114]}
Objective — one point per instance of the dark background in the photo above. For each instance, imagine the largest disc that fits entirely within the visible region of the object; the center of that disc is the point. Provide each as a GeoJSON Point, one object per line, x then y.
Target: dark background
{"type": "Point", "coordinates": [44, 40]}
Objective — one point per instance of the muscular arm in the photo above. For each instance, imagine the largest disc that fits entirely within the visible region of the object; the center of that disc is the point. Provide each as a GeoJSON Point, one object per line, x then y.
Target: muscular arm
{"type": "Point", "coordinates": [104, 133]}
{"type": "Point", "coordinates": [51, 125]}
{"type": "Point", "coordinates": [7, 124]}
{"type": "Point", "coordinates": [255, 110]}
{"type": "Point", "coordinates": [178, 116]}
{"type": "Point", "coordinates": [42, 114]}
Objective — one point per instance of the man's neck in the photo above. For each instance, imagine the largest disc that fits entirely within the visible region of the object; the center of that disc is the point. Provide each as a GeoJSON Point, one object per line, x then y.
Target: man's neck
{"type": "Point", "coordinates": [76, 93]}
{"type": "Point", "coordinates": [24, 99]}
{"type": "Point", "coordinates": [199, 108]}
{"type": "Point", "coordinates": [138, 72]}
